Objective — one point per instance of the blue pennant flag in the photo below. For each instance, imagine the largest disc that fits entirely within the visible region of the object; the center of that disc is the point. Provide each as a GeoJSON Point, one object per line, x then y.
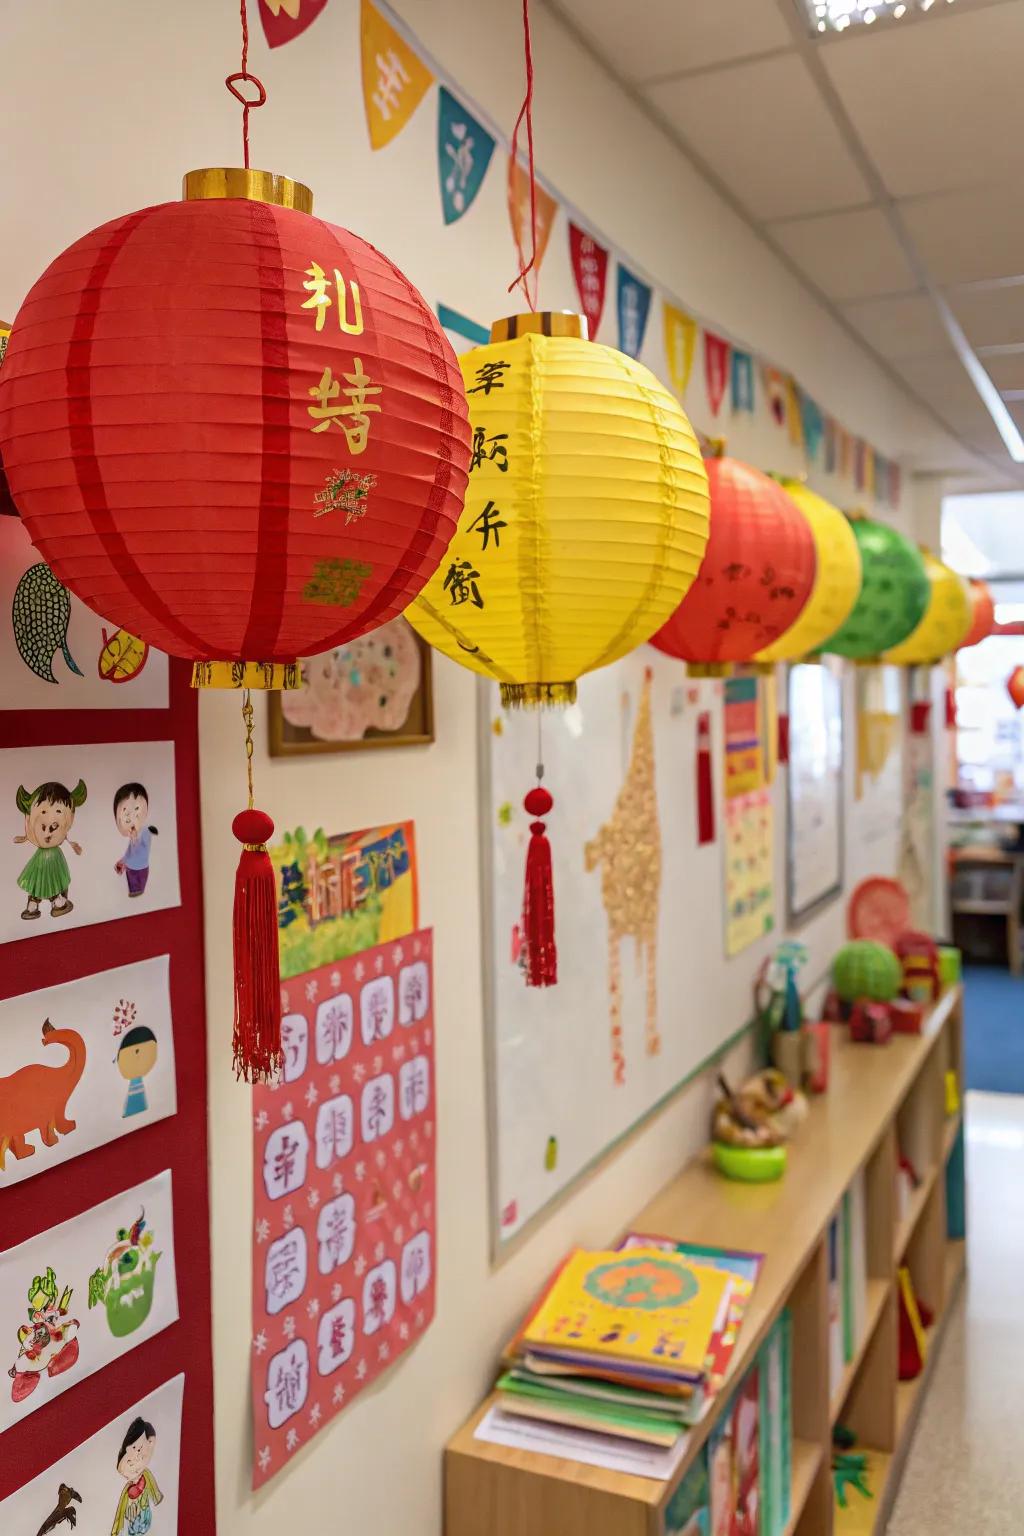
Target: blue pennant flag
{"type": "Point", "coordinates": [464, 150]}
{"type": "Point", "coordinates": [634, 303]}
{"type": "Point", "coordinates": [742, 381]}
{"type": "Point", "coordinates": [813, 424]}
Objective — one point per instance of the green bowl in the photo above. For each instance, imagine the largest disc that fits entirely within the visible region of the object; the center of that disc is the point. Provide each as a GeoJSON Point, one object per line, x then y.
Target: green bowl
{"type": "Point", "coordinates": [754, 1165]}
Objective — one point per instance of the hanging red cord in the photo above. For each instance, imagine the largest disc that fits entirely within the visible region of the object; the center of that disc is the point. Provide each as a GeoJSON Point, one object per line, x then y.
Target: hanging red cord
{"type": "Point", "coordinates": [526, 111]}
{"type": "Point", "coordinates": [244, 75]}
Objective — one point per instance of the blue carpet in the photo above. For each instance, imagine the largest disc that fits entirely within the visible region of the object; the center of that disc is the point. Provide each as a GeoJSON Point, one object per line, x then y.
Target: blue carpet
{"type": "Point", "coordinates": [993, 1029]}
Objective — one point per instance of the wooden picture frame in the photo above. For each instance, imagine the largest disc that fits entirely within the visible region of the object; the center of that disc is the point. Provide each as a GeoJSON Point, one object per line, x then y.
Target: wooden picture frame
{"type": "Point", "coordinates": [417, 730]}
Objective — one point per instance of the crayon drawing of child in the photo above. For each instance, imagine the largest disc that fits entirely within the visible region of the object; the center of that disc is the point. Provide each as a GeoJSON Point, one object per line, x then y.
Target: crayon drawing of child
{"type": "Point", "coordinates": [49, 814]}
{"type": "Point", "coordinates": [136, 1056]}
{"type": "Point", "coordinates": [131, 808]}
{"type": "Point", "coordinates": [134, 1514]}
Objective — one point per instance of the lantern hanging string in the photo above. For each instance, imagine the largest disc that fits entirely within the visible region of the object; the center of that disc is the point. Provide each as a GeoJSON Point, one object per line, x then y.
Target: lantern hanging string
{"type": "Point", "coordinates": [521, 280]}
{"type": "Point", "coordinates": [243, 75]}
{"type": "Point", "coordinates": [247, 717]}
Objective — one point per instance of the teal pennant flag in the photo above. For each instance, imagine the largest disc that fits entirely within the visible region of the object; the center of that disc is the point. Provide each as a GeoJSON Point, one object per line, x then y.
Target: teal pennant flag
{"type": "Point", "coordinates": [742, 381]}
{"type": "Point", "coordinates": [464, 150]}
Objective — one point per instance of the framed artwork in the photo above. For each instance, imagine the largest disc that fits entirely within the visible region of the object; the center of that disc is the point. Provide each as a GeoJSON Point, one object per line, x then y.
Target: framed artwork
{"type": "Point", "coordinates": [814, 829]}
{"type": "Point", "coordinates": [374, 692]}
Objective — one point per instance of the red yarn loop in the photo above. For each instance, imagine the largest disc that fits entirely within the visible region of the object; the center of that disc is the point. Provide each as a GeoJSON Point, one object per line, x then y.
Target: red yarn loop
{"type": "Point", "coordinates": [253, 827]}
{"type": "Point", "coordinates": [258, 100]}
{"type": "Point", "coordinates": [538, 802]}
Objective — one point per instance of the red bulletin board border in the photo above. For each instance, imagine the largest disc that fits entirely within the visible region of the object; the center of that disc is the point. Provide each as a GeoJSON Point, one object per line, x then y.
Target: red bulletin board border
{"type": "Point", "coordinates": [178, 1143]}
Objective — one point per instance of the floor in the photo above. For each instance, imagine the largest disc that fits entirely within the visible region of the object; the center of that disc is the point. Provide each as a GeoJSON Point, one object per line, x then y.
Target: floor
{"type": "Point", "coordinates": [965, 1471]}
{"type": "Point", "coordinates": [994, 1029]}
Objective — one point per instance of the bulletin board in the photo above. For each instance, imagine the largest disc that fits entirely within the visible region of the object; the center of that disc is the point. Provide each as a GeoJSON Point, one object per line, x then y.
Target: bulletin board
{"type": "Point", "coordinates": [638, 908]}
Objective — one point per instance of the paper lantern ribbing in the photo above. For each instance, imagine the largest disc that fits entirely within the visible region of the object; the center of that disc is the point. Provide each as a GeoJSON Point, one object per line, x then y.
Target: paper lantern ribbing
{"type": "Point", "coordinates": [586, 514]}
{"type": "Point", "coordinates": [757, 574]}
{"type": "Point", "coordinates": [1015, 687]}
{"type": "Point", "coordinates": [983, 614]}
{"type": "Point", "coordinates": [893, 595]}
{"type": "Point", "coordinates": [837, 577]}
{"type": "Point", "coordinates": [944, 622]}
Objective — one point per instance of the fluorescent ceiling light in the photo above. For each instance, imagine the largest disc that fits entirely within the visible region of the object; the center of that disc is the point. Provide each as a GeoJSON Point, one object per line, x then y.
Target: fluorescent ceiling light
{"type": "Point", "coordinates": [838, 15]}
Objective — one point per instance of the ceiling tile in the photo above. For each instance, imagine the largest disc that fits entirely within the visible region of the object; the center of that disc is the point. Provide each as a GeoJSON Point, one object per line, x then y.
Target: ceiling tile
{"type": "Point", "coordinates": [943, 382]}
{"type": "Point", "coordinates": [937, 103]}
{"type": "Point", "coordinates": [667, 37]}
{"type": "Point", "coordinates": [767, 134]}
{"type": "Point", "coordinates": [991, 317]}
{"type": "Point", "coordinates": [968, 236]}
{"type": "Point", "coordinates": [847, 255]}
{"type": "Point", "coordinates": [1006, 372]}
{"type": "Point", "coordinates": [905, 326]}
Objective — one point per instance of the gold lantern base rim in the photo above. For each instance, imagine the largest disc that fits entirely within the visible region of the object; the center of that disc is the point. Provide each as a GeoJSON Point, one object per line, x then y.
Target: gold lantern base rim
{"type": "Point", "coordinates": [537, 695]}
{"type": "Point", "coordinates": [541, 322]}
{"type": "Point", "coordinates": [226, 181]}
{"type": "Point", "coordinates": [263, 675]}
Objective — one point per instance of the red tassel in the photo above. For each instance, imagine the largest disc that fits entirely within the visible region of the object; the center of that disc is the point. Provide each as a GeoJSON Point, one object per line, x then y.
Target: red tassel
{"type": "Point", "coordinates": [257, 1032]}
{"type": "Point", "coordinates": [539, 953]}
{"type": "Point", "coordinates": [705, 785]}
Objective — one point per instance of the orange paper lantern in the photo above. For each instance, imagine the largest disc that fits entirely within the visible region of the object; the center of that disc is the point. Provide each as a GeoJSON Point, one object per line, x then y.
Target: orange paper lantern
{"type": "Point", "coordinates": [983, 614]}
{"type": "Point", "coordinates": [1015, 687]}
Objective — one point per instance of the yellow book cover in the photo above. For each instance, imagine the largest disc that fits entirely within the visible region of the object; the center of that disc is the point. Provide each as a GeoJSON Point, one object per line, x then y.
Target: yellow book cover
{"type": "Point", "coordinates": [642, 1305]}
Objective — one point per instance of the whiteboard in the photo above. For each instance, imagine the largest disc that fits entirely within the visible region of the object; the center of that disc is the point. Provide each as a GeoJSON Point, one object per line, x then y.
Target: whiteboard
{"type": "Point", "coordinates": [555, 1104]}
{"type": "Point", "coordinates": [815, 828]}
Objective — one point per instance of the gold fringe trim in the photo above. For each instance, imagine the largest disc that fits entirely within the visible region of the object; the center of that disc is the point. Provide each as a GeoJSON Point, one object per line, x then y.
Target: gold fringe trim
{"type": "Point", "coordinates": [246, 674]}
{"type": "Point", "coordinates": [709, 669]}
{"type": "Point", "coordinates": [537, 695]}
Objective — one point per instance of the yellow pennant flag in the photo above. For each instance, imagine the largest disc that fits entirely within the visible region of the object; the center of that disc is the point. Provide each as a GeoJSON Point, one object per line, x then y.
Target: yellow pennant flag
{"type": "Point", "coordinates": [869, 469]}
{"type": "Point", "coordinates": [680, 340]}
{"type": "Point", "coordinates": [794, 417]}
{"type": "Point", "coordinates": [519, 214]}
{"type": "Point", "coordinates": [395, 80]}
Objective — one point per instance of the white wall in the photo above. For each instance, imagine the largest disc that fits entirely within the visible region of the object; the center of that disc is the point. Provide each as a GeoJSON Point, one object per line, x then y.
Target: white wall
{"type": "Point", "coordinates": [104, 106]}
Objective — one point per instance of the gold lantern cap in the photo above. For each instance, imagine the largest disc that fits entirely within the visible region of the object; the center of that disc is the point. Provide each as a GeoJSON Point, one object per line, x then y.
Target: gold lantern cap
{"type": "Point", "coordinates": [541, 322]}
{"type": "Point", "coordinates": [537, 695]}
{"type": "Point", "coordinates": [254, 186]}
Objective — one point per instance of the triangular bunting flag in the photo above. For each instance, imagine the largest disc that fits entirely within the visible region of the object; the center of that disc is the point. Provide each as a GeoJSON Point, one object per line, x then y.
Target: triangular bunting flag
{"type": "Point", "coordinates": [464, 150]}
{"type": "Point", "coordinates": [894, 485]}
{"type": "Point", "coordinates": [775, 389]}
{"type": "Point", "coordinates": [869, 469]}
{"type": "Point", "coordinates": [845, 452]}
{"type": "Point", "coordinates": [519, 215]}
{"type": "Point", "coordinates": [395, 80]}
{"type": "Point", "coordinates": [680, 340]}
{"type": "Point", "coordinates": [794, 418]}
{"type": "Point", "coordinates": [830, 445]}
{"type": "Point", "coordinates": [716, 369]}
{"type": "Point", "coordinates": [812, 423]}
{"type": "Point", "coordinates": [590, 269]}
{"type": "Point", "coordinates": [742, 381]}
{"type": "Point", "coordinates": [634, 303]}
{"type": "Point", "coordinates": [285, 19]}
{"type": "Point", "coordinates": [858, 463]}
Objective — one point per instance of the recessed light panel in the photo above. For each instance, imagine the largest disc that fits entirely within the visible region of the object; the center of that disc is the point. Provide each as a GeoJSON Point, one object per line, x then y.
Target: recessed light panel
{"type": "Point", "coordinates": [840, 15]}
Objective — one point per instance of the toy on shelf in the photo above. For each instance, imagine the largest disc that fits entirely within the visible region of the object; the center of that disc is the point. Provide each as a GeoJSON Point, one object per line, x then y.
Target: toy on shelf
{"type": "Point", "coordinates": [919, 956]}
{"type": "Point", "coordinates": [871, 1023]}
{"type": "Point", "coordinates": [949, 965]}
{"type": "Point", "coordinates": [816, 1037]}
{"type": "Point", "coordinates": [915, 1317]}
{"type": "Point", "coordinates": [907, 1017]}
{"type": "Point", "coordinates": [752, 1124]}
{"type": "Point", "coordinates": [878, 909]}
{"type": "Point", "coordinates": [799, 1050]}
{"type": "Point", "coordinates": [866, 971]}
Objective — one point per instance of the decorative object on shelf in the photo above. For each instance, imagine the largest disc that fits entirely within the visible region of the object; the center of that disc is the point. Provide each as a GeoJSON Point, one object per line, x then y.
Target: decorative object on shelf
{"type": "Point", "coordinates": [950, 967]}
{"type": "Point", "coordinates": [817, 1038]}
{"type": "Point", "coordinates": [1015, 686]}
{"type": "Point", "coordinates": [915, 1317]}
{"type": "Point", "coordinates": [868, 971]}
{"type": "Point", "coordinates": [870, 1023]}
{"type": "Point", "coordinates": [850, 1469]}
{"type": "Point", "coordinates": [983, 613]}
{"type": "Point", "coordinates": [749, 1165]}
{"type": "Point", "coordinates": [893, 595]}
{"type": "Point", "coordinates": [756, 576]}
{"type": "Point", "coordinates": [907, 1017]}
{"type": "Point", "coordinates": [879, 909]}
{"type": "Point", "coordinates": [837, 577]}
{"type": "Point", "coordinates": [751, 1126]}
{"type": "Point", "coordinates": [952, 1085]}
{"type": "Point", "coordinates": [919, 956]}
{"type": "Point", "coordinates": [944, 623]}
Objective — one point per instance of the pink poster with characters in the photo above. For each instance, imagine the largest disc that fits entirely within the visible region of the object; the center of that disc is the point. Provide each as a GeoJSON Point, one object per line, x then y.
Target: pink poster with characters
{"type": "Point", "coordinates": [344, 1253]}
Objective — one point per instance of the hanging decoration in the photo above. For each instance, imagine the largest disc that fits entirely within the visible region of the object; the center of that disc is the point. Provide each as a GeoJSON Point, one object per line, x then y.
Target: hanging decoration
{"type": "Point", "coordinates": [837, 577]}
{"type": "Point", "coordinates": [794, 415]}
{"type": "Point", "coordinates": [869, 468]}
{"type": "Point", "coordinates": [944, 623]}
{"type": "Point", "coordinates": [395, 79]}
{"type": "Point", "coordinates": [716, 369]}
{"type": "Point", "coordinates": [830, 445]}
{"type": "Point", "coordinates": [893, 595]}
{"type": "Point", "coordinates": [775, 389]}
{"type": "Point", "coordinates": [983, 614]}
{"type": "Point", "coordinates": [859, 465]}
{"type": "Point", "coordinates": [845, 452]}
{"type": "Point", "coordinates": [756, 576]}
{"type": "Point", "coordinates": [705, 781]}
{"type": "Point", "coordinates": [812, 424]}
{"type": "Point", "coordinates": [590, 269]}
{"type": "Point", "coordinates": [634, 303]}
{"type": "Point", "coordinates": [680, 337]}
{"type": "Point", "coordinates": [1015, 687]}
{"type": "Point", "coordinates": [7, 507]}
{"type": "Point", "coordinates": [519, 212]}
{"type": "Point", "coordinates": [240, 529]}
{"type": "Point", "coordinates": [284, 20]}
{"type": "Point", "coordinates": [464, 150]}
{"type": "Point", "coordinates": [742, 380]}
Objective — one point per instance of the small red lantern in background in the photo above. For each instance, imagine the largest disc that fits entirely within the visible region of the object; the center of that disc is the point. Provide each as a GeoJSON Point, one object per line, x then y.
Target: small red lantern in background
{"type": "Point", "coordinates": [1015, 687]}
{"type": "Point", "coordinates": [983, 614]}
{"type": "Point", "coordinates": [756, 576]}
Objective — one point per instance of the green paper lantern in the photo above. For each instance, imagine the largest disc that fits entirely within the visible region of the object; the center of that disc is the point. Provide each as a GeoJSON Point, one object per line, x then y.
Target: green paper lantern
{"type": "Point", "coordinates": [893, 596]}
{"type": "Point", "coordinates": [863, 969]}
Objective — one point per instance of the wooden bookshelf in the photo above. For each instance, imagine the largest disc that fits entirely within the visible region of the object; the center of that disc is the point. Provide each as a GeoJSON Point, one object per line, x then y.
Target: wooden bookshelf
{"type": "Point", "coordinates": [877, 1095]}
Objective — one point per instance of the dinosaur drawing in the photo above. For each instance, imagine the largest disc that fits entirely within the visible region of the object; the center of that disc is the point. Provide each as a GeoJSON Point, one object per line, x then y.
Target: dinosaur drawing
{"type": "Point", "coordinates": [64, 1514]}
{"type": "Point", "coordinates": [35, 1097]}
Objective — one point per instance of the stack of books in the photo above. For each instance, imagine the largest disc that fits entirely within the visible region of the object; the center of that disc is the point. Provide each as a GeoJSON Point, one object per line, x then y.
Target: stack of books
{"type": "Point", "coordinates": [631, 1342]}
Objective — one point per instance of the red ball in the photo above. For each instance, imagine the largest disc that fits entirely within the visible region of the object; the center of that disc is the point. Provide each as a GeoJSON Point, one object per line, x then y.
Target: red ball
{"type": "Point", "coordinates": [537, 801]}
{"type": "Point", "coordinates": [234, 430]}
{"type": "Point", "coordinates": [253, 827]}
{"type": "Point", "coordinates": [756, 576]}
{"type": "Point", "coordinates": [1015, 687]}
{"type": "Point", "coordinates": [983, 615]}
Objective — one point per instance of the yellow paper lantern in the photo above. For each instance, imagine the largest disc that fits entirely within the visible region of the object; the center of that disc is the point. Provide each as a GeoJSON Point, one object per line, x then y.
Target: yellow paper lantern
{"type": "Point", "coordinates": [946, 619]}
{"type": "Point", "coordinates": [586, 516]}
{"type": "Point", "coordinates": [837, 578]}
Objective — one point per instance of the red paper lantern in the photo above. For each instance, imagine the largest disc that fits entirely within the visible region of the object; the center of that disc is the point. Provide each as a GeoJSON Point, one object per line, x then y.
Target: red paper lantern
{"type": "Point", "coordinates": [757, 573]}
{"type": "Point", "coordinates": [1015, 687]}
{"type": "Point", "coordinates": [983, 614]}
{"type": "Point", "coordinates": [234, 430]}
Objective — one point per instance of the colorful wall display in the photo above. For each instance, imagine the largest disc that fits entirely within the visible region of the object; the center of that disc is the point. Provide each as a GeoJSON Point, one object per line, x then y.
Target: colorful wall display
{"type": "Point", "coordinates": [78, 1296]}
{"type": "Point", "coordinates": [83, 1064]}
{"type": "Point", "coordinates": [124, 1479]}
{"type": "Point", "coordinates": [749, 816]}
{"type": "Point", "coordinates": [344, 1247]}
{"type": "Point", "coordinates": [814, 848]}
{"type": "Point", "coordinates": [92, 835]}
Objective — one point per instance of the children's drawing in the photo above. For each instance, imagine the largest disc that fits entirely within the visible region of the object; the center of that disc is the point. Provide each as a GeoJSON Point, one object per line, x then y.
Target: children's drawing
{"type": "Point", "coordinates": [131, 815]}
{"type": "Point", "coordinates": [64, 1512]}
{"type": "Point", "coordinates": [136, 1058]}
{"type": "Point", "coordinates": [48, 1342]}
{"type": "Point", "coordinates": [122, 656]}
{"type": "Point", "coordinates": [49, 815]}
{"type": "Point", "coordinates": [35, 1097]}
{"type": "Point", "coordinates": [628, 850]}
{"type": "Point", "coordinates": [40, 618]}
{"type": "Point", "coordinates": [124, 1283]}
{"type": "Point", "coordinates": [141, 1495]}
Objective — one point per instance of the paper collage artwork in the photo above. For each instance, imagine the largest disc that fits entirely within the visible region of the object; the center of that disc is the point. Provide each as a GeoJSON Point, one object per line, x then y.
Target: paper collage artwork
{"type": "Point", "coordinates": [343, 1251]}
{"type": "Point", "coordinates": [123, 1480]}
{"type": "Point", "coordinates": [84, 1293]}
{"type": "Point", "coordinates": [82, 1064]}
{"type": "Point", "coordinates": [749, 853]}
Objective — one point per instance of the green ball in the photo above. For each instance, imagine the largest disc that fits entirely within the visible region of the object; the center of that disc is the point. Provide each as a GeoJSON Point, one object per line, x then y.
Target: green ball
{"type": "Point", "coordinates": [864, 969]}
{"type": "Point", "coordinates": [893, 596]}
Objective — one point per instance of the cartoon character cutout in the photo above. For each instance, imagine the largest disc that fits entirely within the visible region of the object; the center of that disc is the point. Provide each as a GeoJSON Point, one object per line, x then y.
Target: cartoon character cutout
{"type": "Point", "coordinates": [140, 1495]}
{"type": "Point", "coordinates": [123, 1285]}
{"type": "Point", "coordinates": [48, 1343]}
{"type": "Point", "coordinates": [63, 1512]}
{"type": "Point", "coordinates": [136, 1058]}
{"type": "Point", "coordinates": [131, 813]}
{"type": "Point", "coordinates": [49, 815]}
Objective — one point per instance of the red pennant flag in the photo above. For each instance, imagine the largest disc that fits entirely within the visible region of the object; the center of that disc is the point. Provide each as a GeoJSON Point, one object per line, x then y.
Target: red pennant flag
{"type": "Point", "coordinates": [716, 369]}
{"type": "Point", "coordinates": [590, 269]}
{"type": "Point", "coordinates": [283, 20]}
